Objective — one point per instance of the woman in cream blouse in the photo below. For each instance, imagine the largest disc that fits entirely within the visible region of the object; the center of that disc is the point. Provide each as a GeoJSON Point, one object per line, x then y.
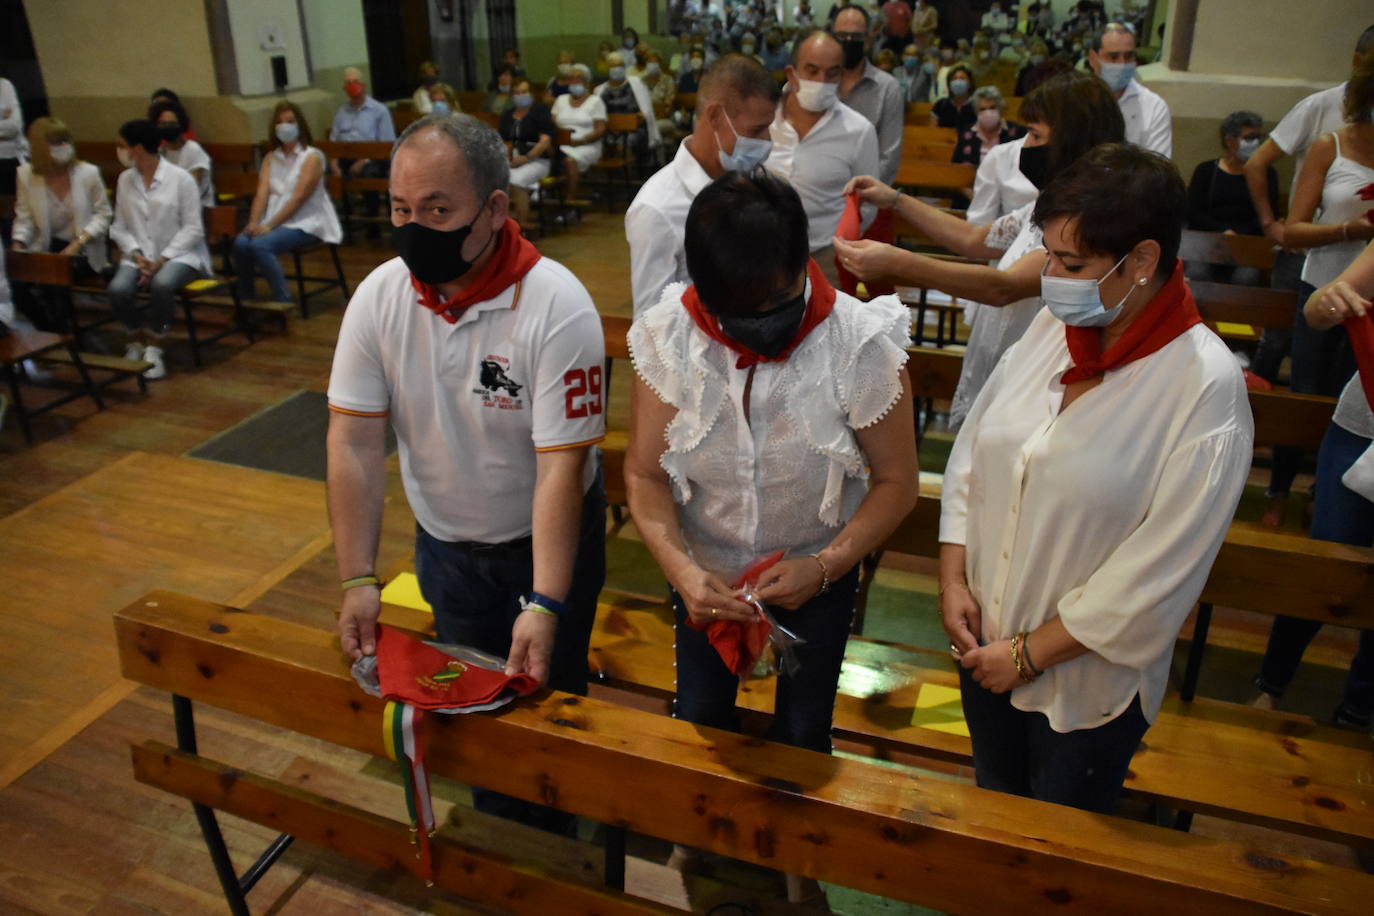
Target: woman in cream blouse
{"type": "Point", "coordinates": [1089, 490]}
{"type": "Point", "coordinates": [62, 205]}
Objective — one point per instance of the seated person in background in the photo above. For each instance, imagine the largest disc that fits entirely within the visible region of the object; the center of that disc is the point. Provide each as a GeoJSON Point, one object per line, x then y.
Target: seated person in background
{"type": "Point", "coordinates": [637, 69]}
{"type": "Point", "coordinates": [956, 109]}
{"type": "Point", "coordinates": [179, 149]}
{"type": "Point", "coordinates": [811, 453]}
{"type": "Point", "coordinates": [510, 57]}
{"type": "Point", "coordinates": [749, 47]}
{"type": "Point", "coordinates": [160, 232]}
{"type": "Point", "coordinates": [601, 68]}
{"type": "Point", "coordinates": [1066, 570]}
{"type": "Point", "coordinates": [678, 62]}
{"type": "Point", "coordinates": [499, 98]}
{"type": "Point", "coordinates": [62, 207]}
{"type": "Point", "coordinates": [584, 115]}
{"type": "Point", "coordinates": [624, 94]}
{"type": "Point", "coordinates": [1218, 199]}
{"type": "Point", "coordinates": [629, 40]}
{"type": "Point", "coordinates": [914, 76]}
{"type": "Point", "coordinates": [363, 119]}
{"type": "Point", "coordinates": [562, 77]}
{"type": "Point", "coordinates": [991, 128]}
{"type": "Point", "coordinates": [166, 95]}
{"type": "Point", "coordinates": [662, 89]}
{"type": "Point", "coordinates": [775, 53]}
{"type": "Point", "coordinates": [528, 127]}
{"type": "Point", "coordinates": [444, 100]}
{"type": "Point", "coordinates": [689, 79]}
{"type": "Point", "coordinates": [291, 208]}
{"type": "Point", "coordinates": [886, 61]}
{"type": "Point", "coordinates": [429, 75]}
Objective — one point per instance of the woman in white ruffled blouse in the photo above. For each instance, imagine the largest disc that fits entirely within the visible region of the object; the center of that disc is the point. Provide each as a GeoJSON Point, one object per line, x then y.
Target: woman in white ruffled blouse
{"type": "Point", "coordinates": [771, 413]}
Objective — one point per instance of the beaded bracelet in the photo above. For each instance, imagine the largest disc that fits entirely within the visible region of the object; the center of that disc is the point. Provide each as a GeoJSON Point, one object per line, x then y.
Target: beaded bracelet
{"type": "Point", "coordinates": [825, 574]}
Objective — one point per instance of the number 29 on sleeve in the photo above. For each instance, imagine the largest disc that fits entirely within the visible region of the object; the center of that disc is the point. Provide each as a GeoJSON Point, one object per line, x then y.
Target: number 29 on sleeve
{"type": "Point", "coordinates": [582, 392]}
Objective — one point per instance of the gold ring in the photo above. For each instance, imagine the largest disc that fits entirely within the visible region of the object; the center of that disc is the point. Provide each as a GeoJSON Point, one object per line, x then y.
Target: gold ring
{"type": "Point", "coordinates": [1331, 309]}
{"type": "Point", "coordinates": [715, 613]}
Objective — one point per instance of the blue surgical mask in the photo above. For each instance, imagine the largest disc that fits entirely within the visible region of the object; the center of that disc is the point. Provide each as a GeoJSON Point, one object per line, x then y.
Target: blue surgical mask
{"type": "Point", "coordinates": [910, 62]}
{"type": "Point", "coordinates": [441, 108]}
{"type": "Point", "coordinates": [652, 68]}
{"type": "Point", "coordinates": [617, 73]}
{"type": "Point", "coordinates": [958, 87]}
{"type": "Point", "coordinates": [1247, 147]}
{"type": "Point", "coordinates": [577, 90]}
{"type": "Point", "coordinates": [1117, 76]}
{"type": "Point", "coordinates": [929, 67]}
{"type": "Point", "coordinates": [1079, 302]}
{"type": "Point", "coordinates": [522, 100]}
{"type": "Point", "coordinates": [749, 152]}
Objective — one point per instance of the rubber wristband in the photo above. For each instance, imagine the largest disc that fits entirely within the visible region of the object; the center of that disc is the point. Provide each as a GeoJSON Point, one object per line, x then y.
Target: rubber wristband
{"type": "Point", "coordinates": [538, 602]}
{"type": "Point", "coordinates": [1026, 656]}
{"type": "Point", "coordinates": [358, 581]}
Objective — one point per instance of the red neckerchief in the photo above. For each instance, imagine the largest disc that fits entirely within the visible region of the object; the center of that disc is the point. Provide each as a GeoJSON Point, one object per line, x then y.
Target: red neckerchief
{"type": "Point", "coordinates": [1362, 340]}
{"type": "Point", "coordinates": [1171, 312]}
{"type": "Point", "coordinates": [821, 304]}
{"type": "Point", "coordinates": [513, 258]}
{"type": "Point", "coordinates": [851, 230]}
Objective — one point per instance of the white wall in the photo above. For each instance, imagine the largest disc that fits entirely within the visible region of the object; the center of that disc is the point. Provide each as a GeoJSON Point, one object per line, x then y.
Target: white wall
{"type": "Point", "coordinates": [335, 33]}
{"type": "Point", "coordinates": [250, 22]}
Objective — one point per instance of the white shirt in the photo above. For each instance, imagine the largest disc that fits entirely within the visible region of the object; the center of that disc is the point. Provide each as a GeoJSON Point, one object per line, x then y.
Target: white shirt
{"type": "Point", "coordinates": [790, 480]}
{"type": "Point", "coordinates": [33, 225]}
{"type": "Point", "coordinates": [579, 119]}
{"type": "Point", "coordinates": [192, 156]}
{"type": "Point", "coordinates": [472, 402]}
{"type": "Point", "coordinates": [997, 328]}
{"type": "Point", "coordinates": [11, 122]}
{"type": "Point", "coordinates": [1353, 413]}
{"type": "Point", "coordinates": [656, 223]}
{"type": "Point", "coordinates": [316, 214]}
{"type": "Point", "coordinates": [842, 145]}
{"type": "Point", "coordinates": [421, 101]}
{"type": "Point", "coordinates": [1319, 113]}
{"type": "Point", "coordinates": [6, 303]}
{"type": "Point", "coordinates": [1148, 122]}
{"type": "Point", "coordinates": [162, 221]}
{"type": "Point", "coordinates": [1340, 203]}
{"type": "Point", "coordinates": [998, 189]}
{"type": "Point", "coordinates": [1107, 516]}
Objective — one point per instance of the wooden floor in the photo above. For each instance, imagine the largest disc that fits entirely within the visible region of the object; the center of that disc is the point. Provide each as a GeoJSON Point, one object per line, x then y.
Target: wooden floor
{"type": "Point", "coordinates": [104, 507]}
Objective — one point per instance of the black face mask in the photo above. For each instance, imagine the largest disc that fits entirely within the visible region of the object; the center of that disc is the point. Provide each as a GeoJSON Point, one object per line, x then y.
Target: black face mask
{"type": "Point", "coordinates": [1035, 165]}
{"type": "Point", "coordinates": [853, 52]}
{"type": "Point", "coordinates": [769, 332]}
{"type": "Point", "coordinates": [169, 132]}
{"type": "Point", "coordinates": [435, 256]}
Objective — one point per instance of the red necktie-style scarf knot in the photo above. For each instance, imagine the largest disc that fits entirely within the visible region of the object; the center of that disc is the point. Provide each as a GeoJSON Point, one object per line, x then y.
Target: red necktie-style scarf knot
{"type": "Point", "coordinates": [513, 258]}
{"type": "Point", "coordinates": [1171, 312]}
{"type": "Point", "coordinates": [818, 308]}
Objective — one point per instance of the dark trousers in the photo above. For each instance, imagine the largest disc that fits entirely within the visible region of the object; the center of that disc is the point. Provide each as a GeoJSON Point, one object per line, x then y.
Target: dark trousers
{"type": "Point", "coordinates": [1345, 517]}
{"type": "Point", "coordinates": [475, 590]}
{"type": "Point", "coordinates": [47, 307]}
{"type": "Point", "coordinates": [1275, 342]}
{"type": "Point", "coordinates": [805, 702]}
{"type": "Point", "coordinates": [1018, 753]}
{"type": "Point", "coordinates": [372, 200]}
{"type": "Point", "coordinates": [1323, 362]}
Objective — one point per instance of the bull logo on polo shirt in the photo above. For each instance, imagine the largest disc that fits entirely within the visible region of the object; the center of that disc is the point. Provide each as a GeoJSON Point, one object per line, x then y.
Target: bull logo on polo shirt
{"type": "Point", "coordinates": [494, 379]}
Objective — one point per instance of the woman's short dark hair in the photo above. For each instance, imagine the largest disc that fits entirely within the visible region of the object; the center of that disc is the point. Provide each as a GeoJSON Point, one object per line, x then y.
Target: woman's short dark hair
{"type": "Point", "coordinates": [1081, 112]}
{"type": "Point", "coordinates": [1119, 194]}
{"type": "Point", "coordinates": [156, 110]}
{"type": "Point", "coordinates": [141, 132]}
{"type": "Point", "coordinates": [746, 239]}
{"type": "Point", "coordinates": [1237, 121]}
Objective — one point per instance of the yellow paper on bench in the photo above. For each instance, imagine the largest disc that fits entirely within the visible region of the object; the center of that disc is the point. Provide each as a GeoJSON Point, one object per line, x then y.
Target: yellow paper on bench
{"type": "Point", "coordinates": [1236, 330]}
{"type": "Point", "coordinates": [197, 286]}
{"type": "Point", "coordinates": [404, 590]}
{"type": "Point", "coordinates": [938, 708]}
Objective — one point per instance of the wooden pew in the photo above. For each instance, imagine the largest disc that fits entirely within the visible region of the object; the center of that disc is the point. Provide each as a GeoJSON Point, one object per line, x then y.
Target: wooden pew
{"type": "Point", "coordinates": [351, 184]}
{"type": "Point", "coordinates": [940, 176]}
{"type": "Point", "coordinates": [1254, 251]}
{"type": "Point", "coordinates": [838, 820]}
{"type": "Point", "coordinates": [916, 134]}
{"type": "Point", "coordinates": [20, 346]}
{"type": "Point", "coordinates": [918, 114]}
{"type": "Point", "coordinates": [1206, 757]}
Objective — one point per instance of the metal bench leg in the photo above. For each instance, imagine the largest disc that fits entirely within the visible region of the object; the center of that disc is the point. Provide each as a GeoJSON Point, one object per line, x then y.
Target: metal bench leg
{"type": "Point", "coordinates": [338, 269]}
{"type": "Point", "coordinates": [191, 330]}
{"type": "Point", "coordinates": [869, 571]}
{"type": "Point", "coordinates": [12, 374]}
{"type": "Point", "coordinates": [205, 815]}
{"type": "Point", "coordinates": [85, 376]}
{"type": "Point", "coordinates": [1190, 674]}
{"type": "Point", "coordinates": [615, 857]}
{"type": "Point", "coordinates": [300, 283]}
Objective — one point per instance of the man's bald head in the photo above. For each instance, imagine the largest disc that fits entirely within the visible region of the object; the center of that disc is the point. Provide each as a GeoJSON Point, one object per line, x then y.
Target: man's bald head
{"type": "Point", "coordinates": [818, 48]}
{"type": "Point", "coordinates": [352, 73]}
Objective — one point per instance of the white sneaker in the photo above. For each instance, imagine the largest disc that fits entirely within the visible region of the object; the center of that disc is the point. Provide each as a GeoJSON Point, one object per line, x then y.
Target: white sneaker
{"type": "Point", "coordinates": [134, 351]}
{"type": "Point", "coordinates": [36, 373]}
{"type": "Point", "coordinates": [159, 368]}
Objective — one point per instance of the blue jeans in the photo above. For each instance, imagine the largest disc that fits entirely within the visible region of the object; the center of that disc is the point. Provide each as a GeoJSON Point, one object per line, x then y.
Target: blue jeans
{"type": "Point", "coordinates": [1018, 753]}
{"type": "Point", "coordinates": [1345, 517]}
{"type": "Point", "coordinates": [162, 290]}
{"type": "Point", "coordinates": [1322, 363]}
{"type": "Point", "coordinates": [805, 702]}
{"type": "Point", "coordinates": [261, 252]}
{"type": "Point", "coordinates": [475, 591]}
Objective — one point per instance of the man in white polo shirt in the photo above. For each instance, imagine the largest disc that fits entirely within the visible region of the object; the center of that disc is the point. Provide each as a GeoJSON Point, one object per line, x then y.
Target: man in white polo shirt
{"type": "Point", "coordinates": [487, 360]}
{"type": "Point", "coordinates": [1111, 55]}
{"type": "Point", "coordinates": [819, 143]}
{"type": "Point", "coordinates": [734, 112]}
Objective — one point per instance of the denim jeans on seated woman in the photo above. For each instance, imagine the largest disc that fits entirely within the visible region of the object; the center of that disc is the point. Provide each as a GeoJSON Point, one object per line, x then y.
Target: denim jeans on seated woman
{"type": "Point", "coordinates": [805, 702]}
{"type": "Point", "coordinates": [162, 290]}
{"type": "Point", "coordinates": [261, 252]}
{"type": "Point", "coordinates": [1345, 517]}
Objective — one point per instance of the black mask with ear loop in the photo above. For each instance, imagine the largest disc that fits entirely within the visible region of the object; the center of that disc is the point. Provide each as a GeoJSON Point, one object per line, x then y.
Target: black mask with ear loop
{"type": "Point", "coordinates": [1035, 165]}
{"type": "Point", "coordinates": [435, 256]}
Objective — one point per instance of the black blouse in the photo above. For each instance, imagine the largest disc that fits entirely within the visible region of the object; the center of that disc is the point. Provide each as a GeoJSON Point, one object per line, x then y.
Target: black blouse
{"type": "Point", "coordinates": [523, 133]}
{"type": "Point", "coordinates": [961, 118]}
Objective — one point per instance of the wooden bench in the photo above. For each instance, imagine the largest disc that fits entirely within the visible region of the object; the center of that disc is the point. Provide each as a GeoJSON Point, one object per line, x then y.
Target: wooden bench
{"type": "Point", "coordinates": [934, 175]}
{"type": "Point", "coordinates": [927, 841]}
{"type": "Point", "coordinates": [20, 346]}
{"type": "Point", "coordinates": [1254, 766]}
{"type": "Point", "coordinates": [351, 184]}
